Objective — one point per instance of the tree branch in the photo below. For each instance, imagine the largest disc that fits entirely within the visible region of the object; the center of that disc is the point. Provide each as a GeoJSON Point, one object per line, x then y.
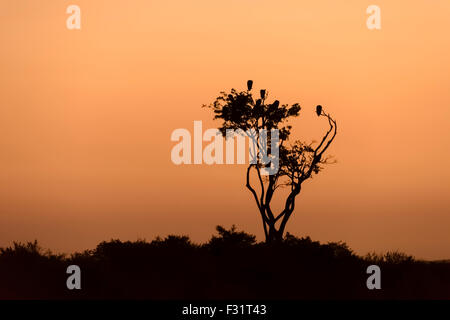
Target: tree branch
{"type": "Point", "coordinates": [249, 187]}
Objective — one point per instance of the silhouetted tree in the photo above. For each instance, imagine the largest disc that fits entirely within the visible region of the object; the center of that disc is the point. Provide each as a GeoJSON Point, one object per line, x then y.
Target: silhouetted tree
{"type": "Point", "coordinates": [298, 162]}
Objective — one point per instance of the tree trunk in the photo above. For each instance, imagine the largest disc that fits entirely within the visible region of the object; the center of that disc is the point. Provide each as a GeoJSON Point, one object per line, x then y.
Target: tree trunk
{"type": "Point", "coordinates": [274, 235]}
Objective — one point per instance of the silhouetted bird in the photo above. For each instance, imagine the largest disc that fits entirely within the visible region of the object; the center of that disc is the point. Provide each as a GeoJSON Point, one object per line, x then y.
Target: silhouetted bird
{"type": "Point", "coordinates": [319, 110]}
{"type": "Point", "coordinates": [276, 104]}
{"type": "Point", "coordinates": [249, 85]}
{"type": "Point", "coordinates": [263, 93]}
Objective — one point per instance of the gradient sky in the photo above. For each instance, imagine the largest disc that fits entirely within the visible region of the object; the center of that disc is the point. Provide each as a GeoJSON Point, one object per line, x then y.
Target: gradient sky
{"type": "Point", "coordinates": [86, 117]}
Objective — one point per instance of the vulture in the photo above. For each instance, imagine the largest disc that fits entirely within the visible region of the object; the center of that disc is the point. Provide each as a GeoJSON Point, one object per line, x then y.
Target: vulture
{"type": "Point", "coordinates": [276, 104]}
{"type": "Point", "coordinates": [249, 85]}
{"type": "Point", "coordinates": [319, 110]}
{"type": "Point", "coordinates": [263, 94]}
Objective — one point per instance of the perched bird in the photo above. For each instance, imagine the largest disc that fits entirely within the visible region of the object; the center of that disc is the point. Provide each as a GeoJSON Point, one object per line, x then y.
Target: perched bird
{"type": "Point", "coordinates": [249, 85]}
{"type": "Point", "coordinates": [263, 94]}
{"type": "Point", "coordinates": [276, 104]}
{"type": "Point", "coordinates": [258, 103]}
{"type": "Point", "coordinates": [319, 110]}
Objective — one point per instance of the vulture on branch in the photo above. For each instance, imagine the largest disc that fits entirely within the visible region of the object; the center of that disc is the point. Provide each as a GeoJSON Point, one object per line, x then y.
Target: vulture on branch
{"type": "Point", "coordinates": [263, 94]}
{"type": "Point", "coordinates": [319, 110]}
{"type": "Point", "coordinates": [276, 104]}
{"type": "Point", "coordinates": [249, 85]}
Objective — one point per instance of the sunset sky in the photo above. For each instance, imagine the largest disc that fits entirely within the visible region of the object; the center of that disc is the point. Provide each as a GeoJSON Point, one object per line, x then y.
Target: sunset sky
{"type": "Point", "coordinates": [86, 118]}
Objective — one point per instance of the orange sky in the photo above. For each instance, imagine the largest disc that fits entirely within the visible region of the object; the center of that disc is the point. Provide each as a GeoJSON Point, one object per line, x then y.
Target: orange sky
{"type": "Point", "coordinates": [86, 117]}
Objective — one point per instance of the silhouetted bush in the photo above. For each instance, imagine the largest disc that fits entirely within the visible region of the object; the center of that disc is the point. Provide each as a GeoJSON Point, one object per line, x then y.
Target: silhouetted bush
{"type": "Point", "coordinates": [231, 265]}
{"type": "Point", "coordinates": [230, 239]}
{"type": "Point", "coordinates": [390, 257]}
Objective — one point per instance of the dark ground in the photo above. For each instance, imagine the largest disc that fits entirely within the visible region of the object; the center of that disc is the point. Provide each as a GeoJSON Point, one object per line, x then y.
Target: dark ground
{"type": "Point", "coordinates": [230, 266]}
